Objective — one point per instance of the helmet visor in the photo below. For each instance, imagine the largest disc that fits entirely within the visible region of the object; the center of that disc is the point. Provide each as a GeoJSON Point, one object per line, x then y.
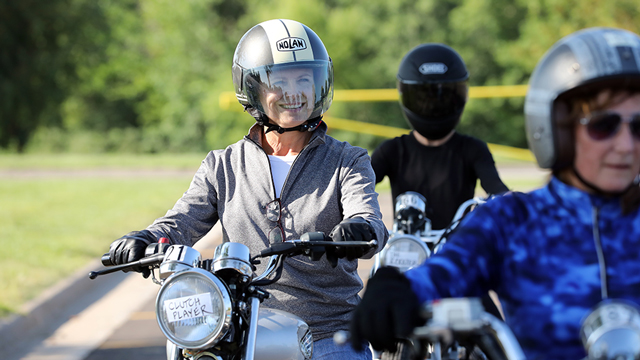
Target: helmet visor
{"type": "Point", "coordinates": [434, 100]}
{"type": "Point", "coordinates": [298, 91]}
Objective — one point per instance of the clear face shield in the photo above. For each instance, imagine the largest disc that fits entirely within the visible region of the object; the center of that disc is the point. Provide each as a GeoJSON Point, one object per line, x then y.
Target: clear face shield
{"type": "Point", "coordinates": [290, 94]}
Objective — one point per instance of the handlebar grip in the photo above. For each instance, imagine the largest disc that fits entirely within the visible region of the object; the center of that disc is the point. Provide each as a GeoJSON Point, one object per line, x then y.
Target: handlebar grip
{"type": "Point", "coordinates": [106, 260]}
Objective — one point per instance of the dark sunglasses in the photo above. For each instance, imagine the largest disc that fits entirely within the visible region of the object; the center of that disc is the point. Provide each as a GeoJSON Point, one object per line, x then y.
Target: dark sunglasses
{"type": "Point", "coordinates": [276, 235]}
{"type": "Point", "coordinates": [606, 124]}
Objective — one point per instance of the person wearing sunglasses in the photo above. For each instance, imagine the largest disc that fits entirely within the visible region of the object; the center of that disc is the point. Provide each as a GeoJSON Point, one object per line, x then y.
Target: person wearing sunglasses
{"type": "Point", "coordinates": [285, 178]}
{"type": "Point", "coordinates": [555, 253]}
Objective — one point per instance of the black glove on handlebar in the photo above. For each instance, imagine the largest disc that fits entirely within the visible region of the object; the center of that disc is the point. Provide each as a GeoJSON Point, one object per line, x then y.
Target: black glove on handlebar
{"type": "Point", "coordinates": [356, 229]}
{"type": "Point", "coordinates": [389, 310]}
{"type": "Point", "coordinates": [130, 248]}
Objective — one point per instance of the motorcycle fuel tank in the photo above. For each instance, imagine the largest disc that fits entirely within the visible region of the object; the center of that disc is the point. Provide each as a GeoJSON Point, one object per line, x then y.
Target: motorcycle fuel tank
{"type": "Point", "coordinates": [282, 335]}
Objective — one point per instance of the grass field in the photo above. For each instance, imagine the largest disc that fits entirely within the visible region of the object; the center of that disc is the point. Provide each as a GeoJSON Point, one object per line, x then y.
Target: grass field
{"type": "Point", "coordinates": [53, 225]}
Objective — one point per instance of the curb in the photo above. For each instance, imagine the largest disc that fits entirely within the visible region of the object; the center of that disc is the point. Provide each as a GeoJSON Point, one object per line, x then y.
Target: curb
{"type": "Point", "coordinates": [68, 320]}
{"type": "Point", "coordinates": [38, 318]}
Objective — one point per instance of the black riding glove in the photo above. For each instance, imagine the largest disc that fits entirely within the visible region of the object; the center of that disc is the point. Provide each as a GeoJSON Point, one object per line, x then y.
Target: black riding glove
{"type": "Point", "coordinates": [356, 229]}
{"type": "Point", "coordinates": [130, 248]}
{"type": "Point", "coordinates": [389, 310]}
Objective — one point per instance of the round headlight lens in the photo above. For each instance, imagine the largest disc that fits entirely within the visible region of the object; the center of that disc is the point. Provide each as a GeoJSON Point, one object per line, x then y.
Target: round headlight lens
{"type": "Point", "coordinates": [194, 309]}
{"type": "Point", "coordinates": [612, 330]}
{"type": "Point", "coordinates": [404, 252]}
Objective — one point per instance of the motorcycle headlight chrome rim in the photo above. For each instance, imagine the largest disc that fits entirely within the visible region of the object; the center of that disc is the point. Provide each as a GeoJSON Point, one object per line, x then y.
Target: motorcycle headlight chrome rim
{"type": "Point", "coordinates": [612, 329]}
{"type": "Point", "coordinates": [404, 252]}
{"type": "Point", "coordinates": [194, 309]}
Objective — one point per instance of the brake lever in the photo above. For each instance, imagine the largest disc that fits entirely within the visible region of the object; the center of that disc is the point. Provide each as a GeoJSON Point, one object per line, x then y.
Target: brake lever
{"type": "Point", "coordinates": [148, 261]}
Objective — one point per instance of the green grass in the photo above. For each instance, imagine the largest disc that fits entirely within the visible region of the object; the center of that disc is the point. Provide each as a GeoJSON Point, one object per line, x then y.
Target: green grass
{"type": "Point", "coordinates": [52, 227]}
{"type": "Point", "coordinates": [90, 161]}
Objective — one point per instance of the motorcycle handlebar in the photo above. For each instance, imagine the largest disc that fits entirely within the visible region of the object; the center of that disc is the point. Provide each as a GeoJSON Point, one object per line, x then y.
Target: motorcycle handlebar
{"type": "Point", "coordinates": [493, 336]}
{"type": "Point", "coordinates": [147, 261]}
{"type": "Point", "coordinates": [308, 242]}
{"type": "Point", "coordinates": [313, 244]}
{"type": "Point", "coordinates": [293, 246]}
{"type": "Point", "coordinates": [106, 260]}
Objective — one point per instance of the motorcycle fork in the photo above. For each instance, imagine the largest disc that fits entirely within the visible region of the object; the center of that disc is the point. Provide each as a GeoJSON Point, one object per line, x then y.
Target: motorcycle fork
{"type": "Point", "coordinates": [250, 341]}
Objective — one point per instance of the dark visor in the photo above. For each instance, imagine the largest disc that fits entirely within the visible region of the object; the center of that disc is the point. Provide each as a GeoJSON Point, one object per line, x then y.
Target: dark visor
{"type": "Point", "coordinates": [433, 100]}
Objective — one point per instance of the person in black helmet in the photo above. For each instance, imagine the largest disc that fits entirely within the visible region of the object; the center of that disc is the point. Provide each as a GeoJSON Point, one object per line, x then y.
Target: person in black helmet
{"type": "Point", "coordinates": [434, 160]}
{"type": "Point", "coordinates": [285, 178]}
{"type": "Point", "coordinates": [562, 258]}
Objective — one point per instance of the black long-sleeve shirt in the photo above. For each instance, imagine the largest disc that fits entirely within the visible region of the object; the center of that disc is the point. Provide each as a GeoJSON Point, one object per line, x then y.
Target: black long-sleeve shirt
{"type": "Point", "coordinates": [445, 175]}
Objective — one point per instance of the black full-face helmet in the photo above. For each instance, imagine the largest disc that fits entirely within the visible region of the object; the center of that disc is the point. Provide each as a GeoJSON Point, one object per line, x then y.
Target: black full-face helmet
{"type": "Point", "coordinates": [283, 49]}
{"type": "Point", "coordinates": [433, 86]}
{"type": "Point", "coordinates": [580, 64]}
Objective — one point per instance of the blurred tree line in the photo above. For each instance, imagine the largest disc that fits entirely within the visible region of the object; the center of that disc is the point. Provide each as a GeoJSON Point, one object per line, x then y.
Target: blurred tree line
{"type": "Point", "coordinates": [146, 75]}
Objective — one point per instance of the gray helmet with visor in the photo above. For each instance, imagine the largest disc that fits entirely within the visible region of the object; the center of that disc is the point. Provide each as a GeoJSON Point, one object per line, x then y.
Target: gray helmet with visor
{"type": "Point", "coordinates": [273, 50]}
{"type": "Point", "coordinates": [579, 64]}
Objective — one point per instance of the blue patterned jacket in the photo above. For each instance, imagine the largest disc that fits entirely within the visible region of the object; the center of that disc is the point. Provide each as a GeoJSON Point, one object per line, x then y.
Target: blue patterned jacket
{"type": "Point", "coordinates": [537, 252]}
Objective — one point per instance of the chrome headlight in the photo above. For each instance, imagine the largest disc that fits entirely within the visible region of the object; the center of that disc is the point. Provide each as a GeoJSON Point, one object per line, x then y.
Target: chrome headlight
{"type": "Point", "coordinates": [194, 309]}
{"type": "Point", "coordinates": [612, 331]}
{"type": "Point", "coordinates": [404, 252]}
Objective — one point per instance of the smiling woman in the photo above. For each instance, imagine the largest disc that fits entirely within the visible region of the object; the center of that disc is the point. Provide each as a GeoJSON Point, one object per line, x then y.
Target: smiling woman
{"type": "Point", "coordinates": [288, 101]}
{"type": "Point", "coordinates": [285, 178]}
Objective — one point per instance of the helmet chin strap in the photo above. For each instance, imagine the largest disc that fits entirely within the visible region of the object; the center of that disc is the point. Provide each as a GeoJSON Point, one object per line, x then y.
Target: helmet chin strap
{"type": "Point", "coordinates": [309, 125]}
{"type": "Point", "coordinates": [262, 119]}
{"type": "Point", "coordinates": [598, 190]}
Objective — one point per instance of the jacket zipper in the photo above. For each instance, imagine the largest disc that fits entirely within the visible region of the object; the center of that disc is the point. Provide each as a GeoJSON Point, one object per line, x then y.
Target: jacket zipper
{"type": "Point", "coordinates": [601, 262]}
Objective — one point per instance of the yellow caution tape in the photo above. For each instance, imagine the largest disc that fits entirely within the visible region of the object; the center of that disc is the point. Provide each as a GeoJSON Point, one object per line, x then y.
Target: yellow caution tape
{"type": "Point", "coordinates": [229, 102]}
{"type": "Point", "coordinates": [390, 132]}
{"type": "Point", "coordinates": [512, 152]}
{"type": "Point", "coordinates": [228, 98]}
{"type": "Point", "coordinates": [366, 95]}
{"type": "Point", "coordinates": [476, 92]}
{"type": "Point", "coordinates": [364, 128]}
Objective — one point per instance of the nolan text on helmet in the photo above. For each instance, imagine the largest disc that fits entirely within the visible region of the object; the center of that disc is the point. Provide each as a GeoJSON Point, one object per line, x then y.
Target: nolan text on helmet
{"type": "Point", "coordinates": [291, 44]}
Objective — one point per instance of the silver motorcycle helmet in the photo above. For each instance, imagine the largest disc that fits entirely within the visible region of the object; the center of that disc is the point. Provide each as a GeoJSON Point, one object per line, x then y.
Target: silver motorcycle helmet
{"type": "Point", "coordinates": [286, 57]}
{"type": "Point", "coordinates": [579, 64]}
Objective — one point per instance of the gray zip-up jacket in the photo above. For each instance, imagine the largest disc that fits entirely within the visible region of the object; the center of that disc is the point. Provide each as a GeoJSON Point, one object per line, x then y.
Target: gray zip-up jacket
{"type": "Point", "coordinates": [329, 181]}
